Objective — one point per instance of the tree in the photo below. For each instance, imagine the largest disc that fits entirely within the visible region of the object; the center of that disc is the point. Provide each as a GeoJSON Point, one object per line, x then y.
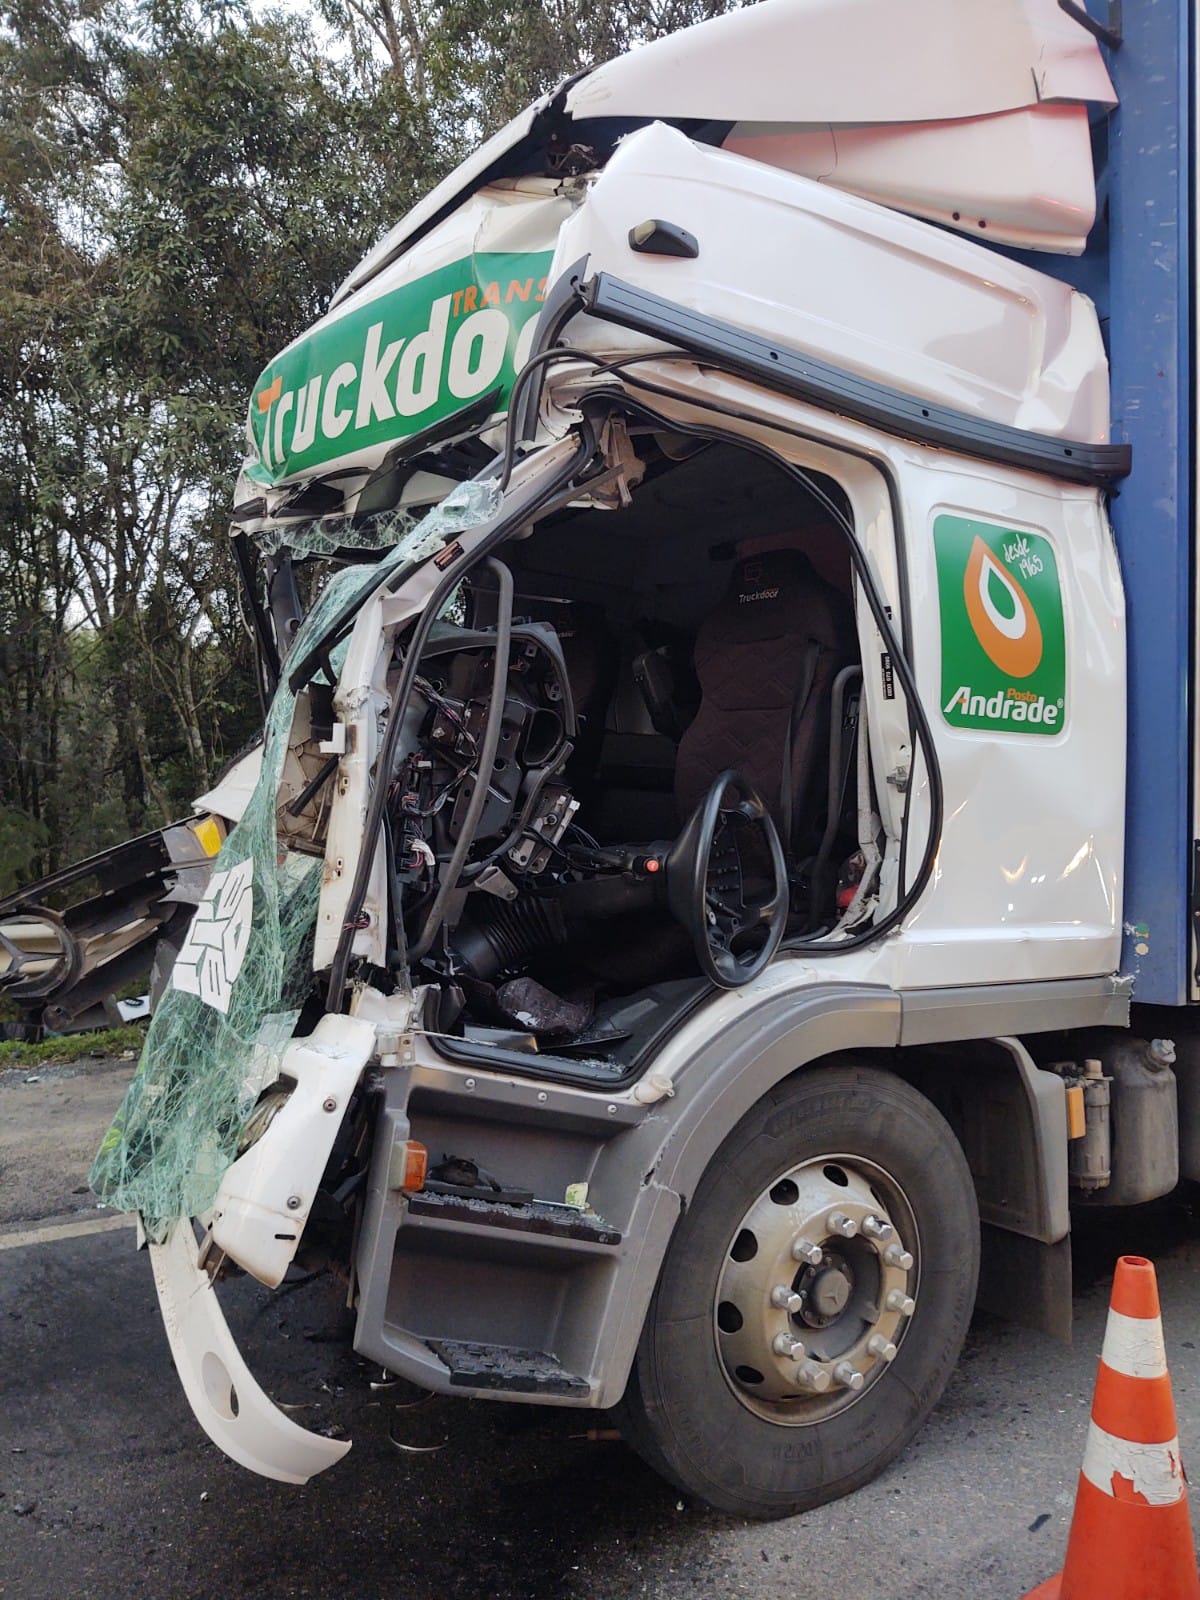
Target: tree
{"type": "Point", "coordinates": [475, 65]}
{"type": "Point", "coordinates": [183, 183]}
{"type": "Point", "coordinates": [182, 190]}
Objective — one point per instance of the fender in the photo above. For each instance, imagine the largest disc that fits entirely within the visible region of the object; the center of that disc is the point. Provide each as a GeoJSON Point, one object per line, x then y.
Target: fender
{"type": "Point", "coordinates": [665, 1157]}
{"type": "Point", "coordinates": [715, 1085]}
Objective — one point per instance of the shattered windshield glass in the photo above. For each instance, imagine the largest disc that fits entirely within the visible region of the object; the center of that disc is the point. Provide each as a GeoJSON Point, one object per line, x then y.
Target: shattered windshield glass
{"type": "Point", "coordinates": [217, 1037]}
{"type": "Point", "coordinates": [411, 534]}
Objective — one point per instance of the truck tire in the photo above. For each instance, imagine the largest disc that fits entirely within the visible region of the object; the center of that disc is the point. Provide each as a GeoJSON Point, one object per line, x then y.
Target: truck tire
{"type": "Point", "coordinates": [799, 1233]}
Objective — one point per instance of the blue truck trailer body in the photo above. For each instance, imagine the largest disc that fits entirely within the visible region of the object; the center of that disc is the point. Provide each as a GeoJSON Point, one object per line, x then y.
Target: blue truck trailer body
{"type": "Point", "coordinates": [1139, 270]}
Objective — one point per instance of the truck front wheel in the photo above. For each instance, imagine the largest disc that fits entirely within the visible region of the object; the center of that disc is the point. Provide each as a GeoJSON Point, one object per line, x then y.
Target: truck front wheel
{"type": "Point", "coordinates": [814, 1299]}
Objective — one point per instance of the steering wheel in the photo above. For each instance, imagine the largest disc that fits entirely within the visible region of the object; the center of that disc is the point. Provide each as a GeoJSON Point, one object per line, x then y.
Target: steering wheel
{"type": "Point", "coordinates": [710, 880]}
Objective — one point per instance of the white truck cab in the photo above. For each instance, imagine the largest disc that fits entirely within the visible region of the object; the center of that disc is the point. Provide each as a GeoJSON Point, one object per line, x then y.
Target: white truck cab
{"type": "Point", "coordinates": [676, 929]}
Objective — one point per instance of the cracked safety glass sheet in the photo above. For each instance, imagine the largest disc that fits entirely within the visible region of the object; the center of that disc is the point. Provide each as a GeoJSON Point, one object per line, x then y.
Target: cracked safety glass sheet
{"type": "Point", "coordinates": [245, 968]}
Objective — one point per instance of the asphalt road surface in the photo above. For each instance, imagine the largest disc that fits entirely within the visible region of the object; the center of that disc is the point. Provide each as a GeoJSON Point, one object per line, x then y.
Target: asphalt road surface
{"type": "Point", "coordinates": [109, 1491]}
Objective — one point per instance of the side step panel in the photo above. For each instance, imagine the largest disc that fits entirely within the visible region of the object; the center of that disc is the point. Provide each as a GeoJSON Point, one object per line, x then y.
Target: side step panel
{"type": "Point", "coordinates": [467, 1294]}
{"type": "Point", "coordinates": [482, 1366]}
{"type": "Point", "coordinates": [538, 1217]}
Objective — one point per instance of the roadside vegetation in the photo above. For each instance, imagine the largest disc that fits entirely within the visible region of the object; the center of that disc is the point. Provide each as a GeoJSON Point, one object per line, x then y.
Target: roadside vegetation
{"type": "Point", "coordinates": [183, 183]}
{"type": "Point", "coordinates": [112, 1042]}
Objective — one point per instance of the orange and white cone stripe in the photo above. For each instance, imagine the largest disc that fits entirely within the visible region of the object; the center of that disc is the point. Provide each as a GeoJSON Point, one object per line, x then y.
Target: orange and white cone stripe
{"type": "Point", "coordinates": [1131, 1536]}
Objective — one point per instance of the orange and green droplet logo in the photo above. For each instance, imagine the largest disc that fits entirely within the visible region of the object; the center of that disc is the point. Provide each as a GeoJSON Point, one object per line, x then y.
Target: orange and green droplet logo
{"type": "Point", "coordinates": [1003, 646]}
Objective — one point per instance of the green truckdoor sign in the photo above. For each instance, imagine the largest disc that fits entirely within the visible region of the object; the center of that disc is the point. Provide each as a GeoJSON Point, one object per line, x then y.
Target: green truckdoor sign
{"type": "Point", "coordinates": [1004, 662]}
{"type": "Point", "coordinates": [396, 365]}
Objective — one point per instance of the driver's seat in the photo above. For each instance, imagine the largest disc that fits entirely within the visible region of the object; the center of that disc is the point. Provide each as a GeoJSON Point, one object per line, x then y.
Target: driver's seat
{"type": "Point", "coordinates": [766, 658]}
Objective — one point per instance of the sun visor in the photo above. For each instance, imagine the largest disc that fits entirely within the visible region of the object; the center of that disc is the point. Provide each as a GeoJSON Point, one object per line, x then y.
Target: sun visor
{"type": "Point", "coordinates": [1022, 178]}
{"type": "Point", "coordinates": [854, 61]}
{"type": "Point", "coordinates": [968, 113]}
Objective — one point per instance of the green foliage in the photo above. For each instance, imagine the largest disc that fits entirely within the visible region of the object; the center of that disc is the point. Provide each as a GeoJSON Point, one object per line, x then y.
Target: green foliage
{"type": "Point", "coordinates": [125, 1040]}
{"type": "Point", "coordinates": [182, 188]}
{"type": "Point", "coordinates": [183, 183]}
{"type": "Point", "coordinates": [21, 837]}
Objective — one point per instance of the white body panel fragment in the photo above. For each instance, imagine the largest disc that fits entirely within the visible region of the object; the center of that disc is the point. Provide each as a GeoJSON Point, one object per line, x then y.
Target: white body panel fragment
{"type": "Point", "coordinates": [840, 278]}
{"type": "Point", "coordinates": [231, 794]}
{"type": "Point", "coordinates": [266, 1195]}
{"type": "Point", "coordinates": [229, 1404]}
{"type": "Point", "coordinates": [1021, 178]}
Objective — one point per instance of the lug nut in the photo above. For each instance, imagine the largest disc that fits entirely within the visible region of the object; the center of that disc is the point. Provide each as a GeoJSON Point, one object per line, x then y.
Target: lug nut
{"type": "Point", "coordinates": [808, 1252]}
{"type": "Point", "coordinates": [790, 1349]}
{"type": "Point", "coordinates": [897, 1300]}
{"type": "Point", "coordinates": [877, 1345]}
{"type": "Point", "coordinates": [876, 1228]}
{"type": "Point", "coordinates": [785, 1298]}
{"type": "Point", "coordinates": [813, 1377]}
{"type": "Point", "coordinates": [838, 1222]}
{"type": "Point", "coordinates": [849, 1377]}
{"type": "Point", "coordinates": [897, 1256]}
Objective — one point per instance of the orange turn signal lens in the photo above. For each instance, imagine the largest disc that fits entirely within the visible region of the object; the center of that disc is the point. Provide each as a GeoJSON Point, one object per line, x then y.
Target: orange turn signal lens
{"type": "Point", "coordinates": [414, 1165]}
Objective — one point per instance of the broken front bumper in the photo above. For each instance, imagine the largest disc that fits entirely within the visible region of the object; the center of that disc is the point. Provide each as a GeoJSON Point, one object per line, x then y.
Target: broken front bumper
{"type": "Point", "coordinates": [229, 1404]}
{"type": "Point", "coordinates": [258, 1217]}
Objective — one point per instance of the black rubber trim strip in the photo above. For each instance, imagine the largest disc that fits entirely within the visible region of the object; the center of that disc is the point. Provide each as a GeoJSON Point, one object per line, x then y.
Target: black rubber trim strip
{"type": "Point", "coordinates": [834, 389]}
{"type": "Point", "coordinates": [269, 664]}
{"type": "Point", "coordinates": [561, 304]}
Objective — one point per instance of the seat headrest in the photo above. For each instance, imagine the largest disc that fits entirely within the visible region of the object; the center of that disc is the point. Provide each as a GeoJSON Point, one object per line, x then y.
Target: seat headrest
{"type": "Point", "coordinates": [767, 595]}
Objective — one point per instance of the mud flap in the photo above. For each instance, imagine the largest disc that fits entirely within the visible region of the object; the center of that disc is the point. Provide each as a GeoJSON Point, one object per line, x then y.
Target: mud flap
{"type": "Point", "coordinates": [1026, 1281]}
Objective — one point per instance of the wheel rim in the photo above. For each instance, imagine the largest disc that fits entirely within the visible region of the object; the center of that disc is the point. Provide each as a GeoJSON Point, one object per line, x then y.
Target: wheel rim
{"type": "Point", "coordinates": [816, 1290]}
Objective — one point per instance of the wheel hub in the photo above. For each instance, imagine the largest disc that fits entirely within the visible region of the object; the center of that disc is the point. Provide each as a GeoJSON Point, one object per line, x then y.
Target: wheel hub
{"type": "Point", "coordinates": [817, 1288]}
{"type": "Point", "coordinates": [826, 1291]}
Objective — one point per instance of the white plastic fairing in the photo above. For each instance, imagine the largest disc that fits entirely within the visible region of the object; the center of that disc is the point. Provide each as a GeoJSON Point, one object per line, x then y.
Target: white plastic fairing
{"type": "Point", "coordinates": [1022, 178]}
{"type": "Point", "coordinates": [854, 61]}
{"type": "Point", "coordinates": [231, 794]}
{"type": "Point", "coordinates": [266, 1195]}
{"type": "Point", "coordinates": [229, 1404]}
{"type": "Point", "coordinates": [969, 112]}
{"type": "Point", "coordinates": [833, 276]}
{"type": "Point", "coordinates": [866, 70]}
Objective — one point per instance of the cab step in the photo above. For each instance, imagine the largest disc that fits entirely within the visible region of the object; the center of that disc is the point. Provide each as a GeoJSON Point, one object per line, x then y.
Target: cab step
{"type": "Point", "coordinates": [536, 1217]}
{"type": "Point", "coordinates": [485, 1366]}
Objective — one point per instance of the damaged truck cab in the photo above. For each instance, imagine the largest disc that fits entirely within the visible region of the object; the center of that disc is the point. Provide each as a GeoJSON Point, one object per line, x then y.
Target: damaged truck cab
{"type": "Point", "coordinates": [663, 935]}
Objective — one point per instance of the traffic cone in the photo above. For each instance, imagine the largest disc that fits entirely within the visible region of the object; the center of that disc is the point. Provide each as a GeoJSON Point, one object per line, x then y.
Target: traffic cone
{"type": "Point", "coordinates": [1131, 1537]}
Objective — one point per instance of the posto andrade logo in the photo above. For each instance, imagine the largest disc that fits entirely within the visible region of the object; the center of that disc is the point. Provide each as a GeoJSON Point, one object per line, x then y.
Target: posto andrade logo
{"type": "Point", "coordinates": [1003, 645]}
